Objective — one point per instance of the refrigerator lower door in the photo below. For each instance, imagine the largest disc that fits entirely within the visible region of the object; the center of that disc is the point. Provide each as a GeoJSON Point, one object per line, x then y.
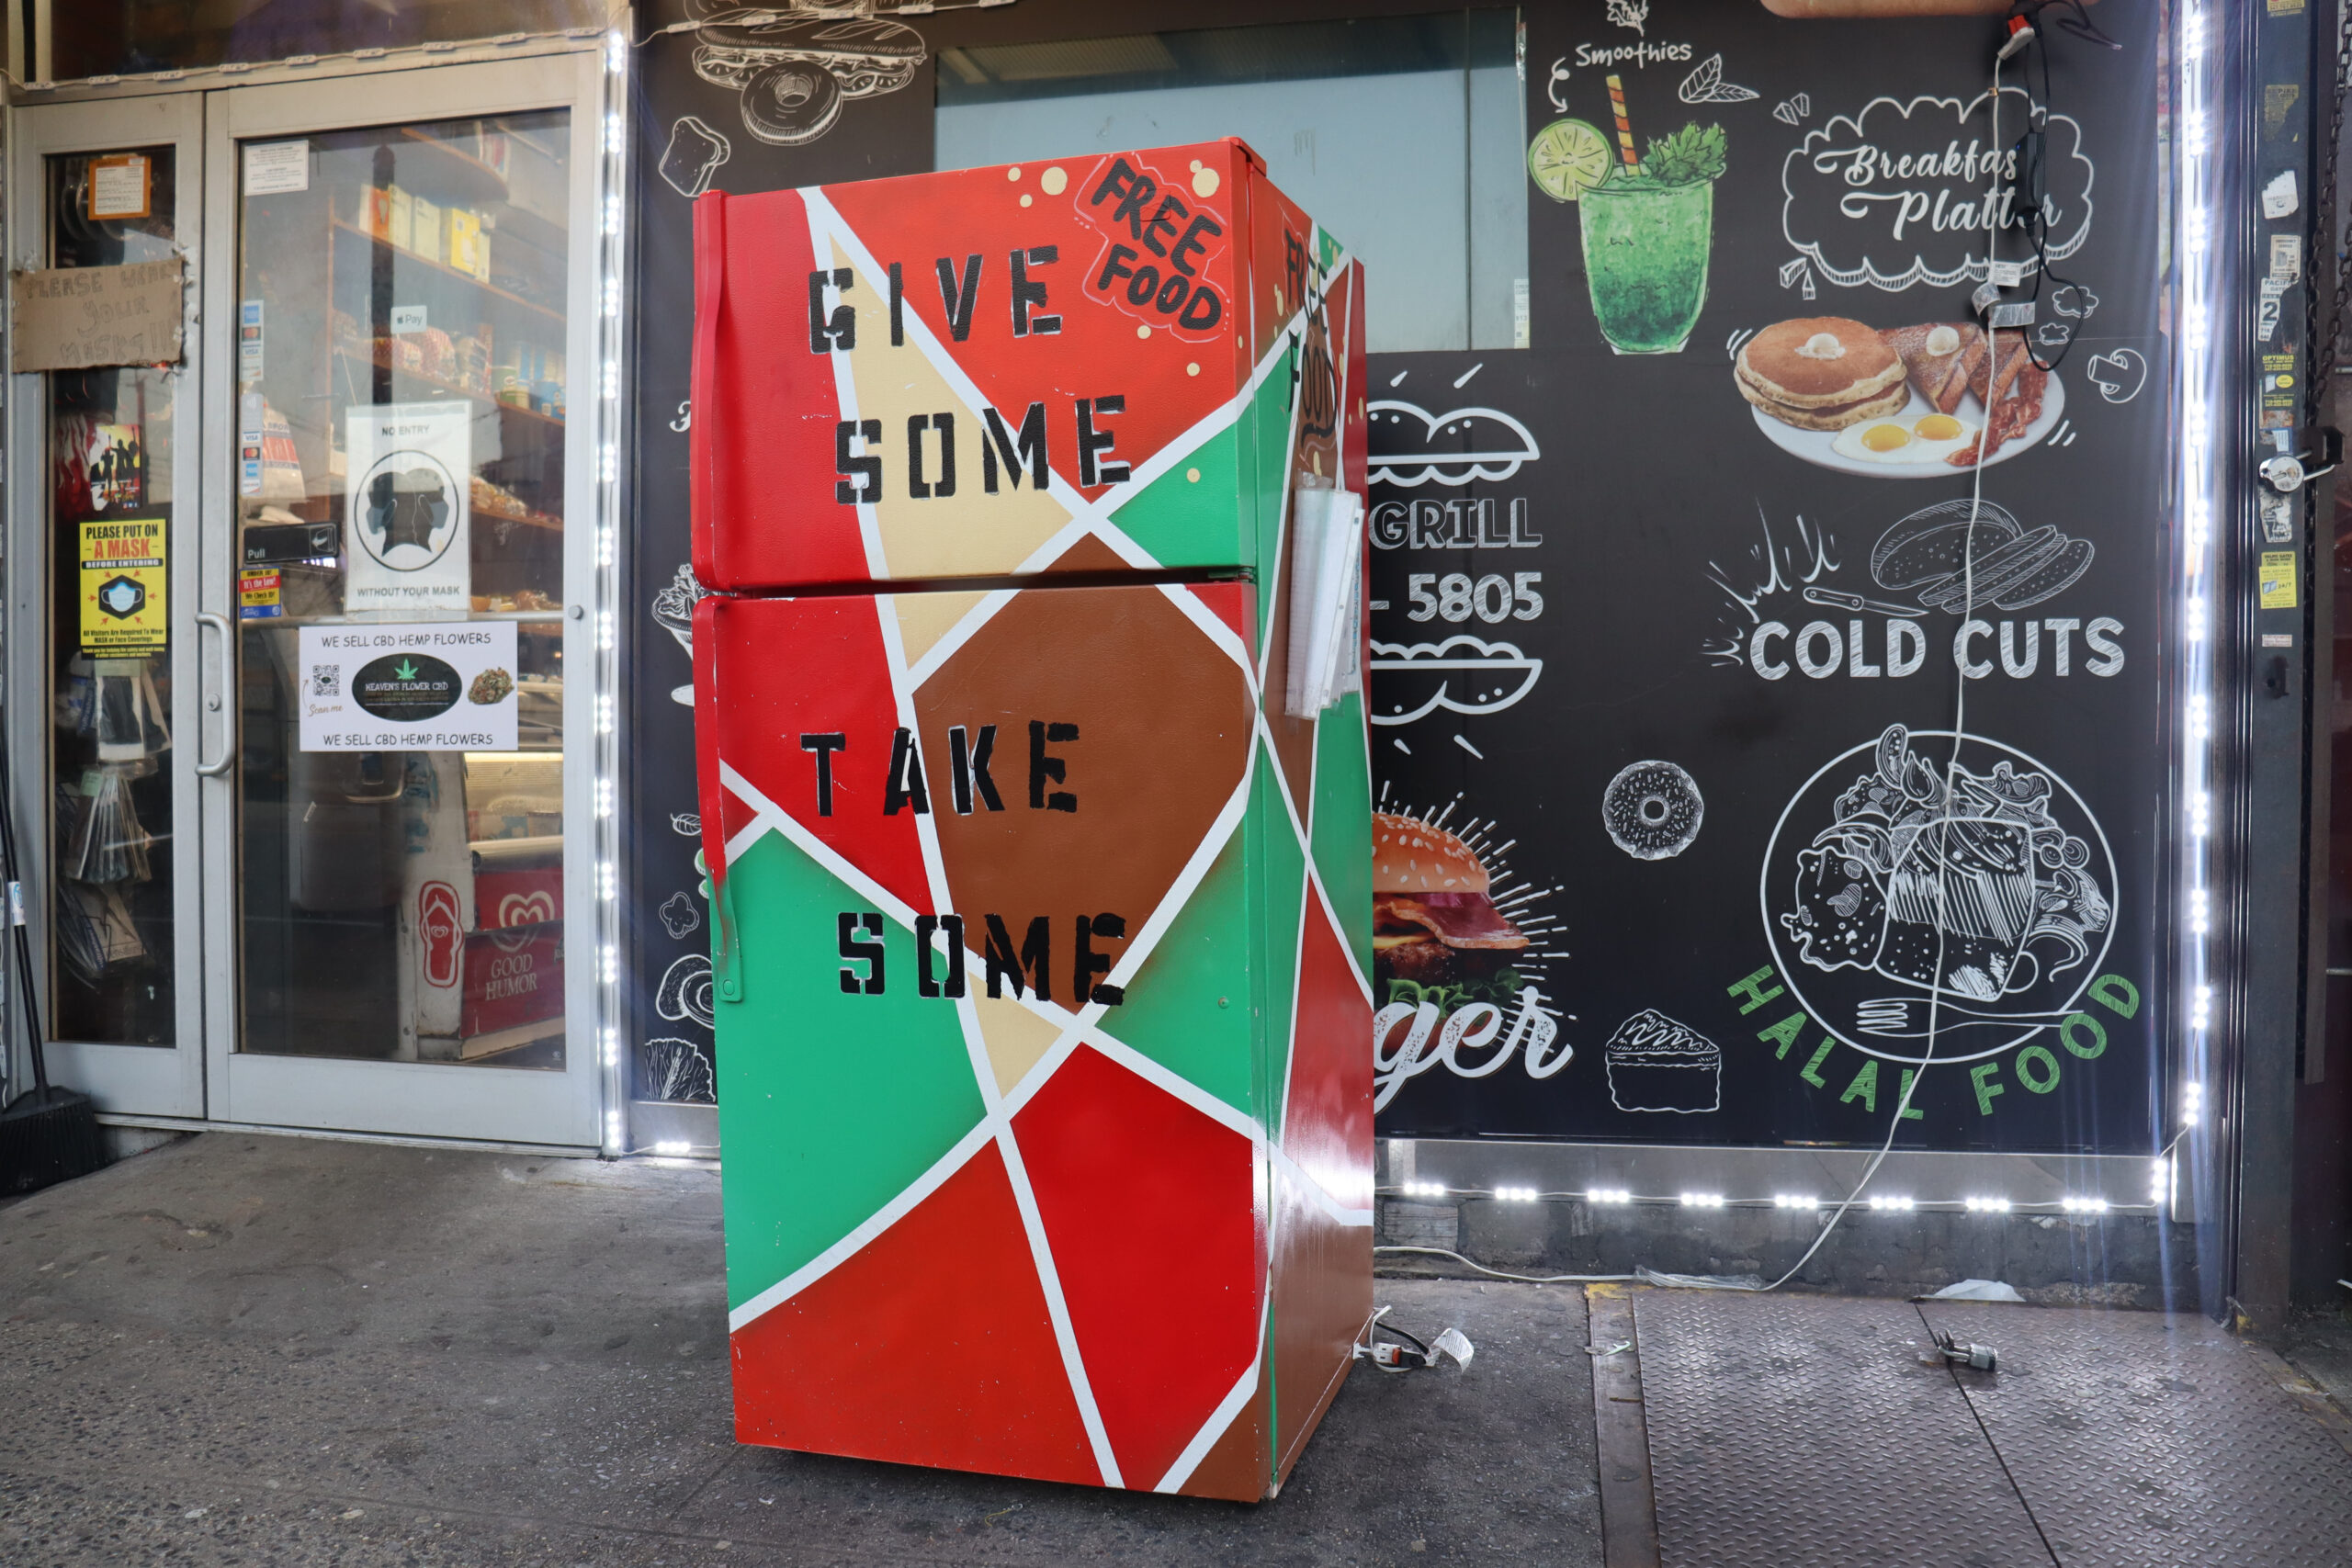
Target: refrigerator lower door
{"type": "Point", "coordinates": [1044, 1041]}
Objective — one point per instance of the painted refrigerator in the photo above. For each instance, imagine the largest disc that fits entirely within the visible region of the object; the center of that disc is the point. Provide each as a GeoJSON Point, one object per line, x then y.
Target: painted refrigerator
{"type": "Point", "coordinates": [1035, 803]}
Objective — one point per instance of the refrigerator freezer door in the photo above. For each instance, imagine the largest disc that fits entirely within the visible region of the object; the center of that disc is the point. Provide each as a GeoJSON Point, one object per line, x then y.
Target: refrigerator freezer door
{"type": "Point", "coordinates": [993, 372]}
{"type": "Point", "coordinates": [1043, 1032]}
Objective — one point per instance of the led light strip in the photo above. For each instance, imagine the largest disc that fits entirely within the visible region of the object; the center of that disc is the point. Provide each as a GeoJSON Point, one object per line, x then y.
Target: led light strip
{"type": "Point", "coordinates": [2202, 372]}
{"type": "Point", "coordinates": [1619, 1197]}
{"type": "Point", "coordinates": [612, 239]}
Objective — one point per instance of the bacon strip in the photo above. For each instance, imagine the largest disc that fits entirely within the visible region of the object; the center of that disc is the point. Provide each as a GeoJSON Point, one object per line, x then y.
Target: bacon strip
{"type": "Point", "coordinates": [2011, 416]}
{"type": "Point", "coordinates": [1458, 920]}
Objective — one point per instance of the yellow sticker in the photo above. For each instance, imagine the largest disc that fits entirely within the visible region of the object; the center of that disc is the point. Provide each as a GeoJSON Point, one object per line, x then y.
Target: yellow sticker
{"type": "Point", "coordinates": [257, 593]}
{"type": "Point", "coordinates": [2277, 580]}
{"type": "Point", "coordinates": [123, 574]}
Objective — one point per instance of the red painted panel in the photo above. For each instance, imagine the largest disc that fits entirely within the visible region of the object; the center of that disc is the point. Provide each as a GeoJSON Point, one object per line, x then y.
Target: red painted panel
{"type": "Point", "coordinates": [1322, 1290]}
{"type": "Point", "coordinates": [764, 407]}
{"type": "Point", "coordinates": [919, 219]}
{"type": "Point", "coordinates": [931, 1345]}
{"type": "Point", "coordinates": [777, 670]}
{"type": "Point", "coordinates": [1149, 1207]}
{"type": "Point", "coordinates": [1230, 603]}
{"type": "Point", "coordinates": [1326, 1122]}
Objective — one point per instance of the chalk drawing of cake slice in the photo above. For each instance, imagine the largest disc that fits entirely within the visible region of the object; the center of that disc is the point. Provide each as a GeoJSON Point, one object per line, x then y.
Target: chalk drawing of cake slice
{"type": "Point", "coordinates": [1655, 1063]}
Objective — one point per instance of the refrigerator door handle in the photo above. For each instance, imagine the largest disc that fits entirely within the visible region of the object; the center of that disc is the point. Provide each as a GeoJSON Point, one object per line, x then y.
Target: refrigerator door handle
{"type": "Point", "coordinates": [728, 965]}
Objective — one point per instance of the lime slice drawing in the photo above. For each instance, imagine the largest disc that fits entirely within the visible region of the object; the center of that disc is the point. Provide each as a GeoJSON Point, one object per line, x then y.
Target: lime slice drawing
{"type": "Point", "coordinates": [1568, 158]}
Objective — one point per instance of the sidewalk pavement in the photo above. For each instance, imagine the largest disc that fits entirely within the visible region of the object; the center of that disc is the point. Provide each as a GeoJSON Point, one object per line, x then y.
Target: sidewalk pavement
{"type": "Point", "coordinates": [240, 1349]}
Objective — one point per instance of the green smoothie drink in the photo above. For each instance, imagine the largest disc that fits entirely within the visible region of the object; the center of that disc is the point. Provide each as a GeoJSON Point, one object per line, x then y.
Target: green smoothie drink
{"type": "Point", "coordinates": [1648, 225]}
{"type": "Point", "coordinates": [1645, 247]}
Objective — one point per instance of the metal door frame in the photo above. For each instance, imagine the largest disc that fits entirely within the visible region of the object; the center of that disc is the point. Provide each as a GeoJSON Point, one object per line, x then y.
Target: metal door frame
{"type": "Point", "coordinates": [132, 1080]}
{"type": "Point", "coordinates": [414, 1099]}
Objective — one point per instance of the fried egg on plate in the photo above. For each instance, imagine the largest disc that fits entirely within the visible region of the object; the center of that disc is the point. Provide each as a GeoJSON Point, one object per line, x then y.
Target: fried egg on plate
{"type": "Point", "coordinates": [1927, 438]}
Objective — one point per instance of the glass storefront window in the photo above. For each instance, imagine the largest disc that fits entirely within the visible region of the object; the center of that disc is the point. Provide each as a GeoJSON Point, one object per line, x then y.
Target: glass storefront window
{"type": "Point", "coordinates": [401, 441]}
{"type": "Point", "coordinates": [1402, 135]}
{"type": "Point", "coordinates": [111, 464]}
{"type": "Point", "coordinates": [161, 35]}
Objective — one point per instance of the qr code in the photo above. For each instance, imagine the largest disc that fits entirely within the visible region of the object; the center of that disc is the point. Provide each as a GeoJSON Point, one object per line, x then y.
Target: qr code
{"type": "Point", "coordinates": [326, 680]}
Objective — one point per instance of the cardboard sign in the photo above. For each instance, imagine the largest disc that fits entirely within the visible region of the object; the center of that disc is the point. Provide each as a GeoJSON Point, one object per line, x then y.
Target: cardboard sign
{"type": "Point", "coordinates": [431, 686]}
{"type": "Point", "coordinates": [123, 576]}
{"type": "Point", "coordinates": [76, 317]}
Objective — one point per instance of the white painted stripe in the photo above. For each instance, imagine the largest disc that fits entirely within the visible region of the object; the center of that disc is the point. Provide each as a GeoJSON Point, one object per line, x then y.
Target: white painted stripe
{"type": "Point", "coordinates": [1076, 1025]}
{"type": "Point", "coordinates": [902, 695]}
{"type": "Point", "coordinates": [874, 1224]}
{"type": "Point", "coordinates": [1236, 1399]}
{"type": "Point", "coordinates": [1176, 1085]}
{"type": "Point", "coordinates": [773, 816]}
{"type": "Point", "coordinates": [1041, 1253]}
{"type": "Point", "coordinates": [1317, 1193]}
{"type": "Point", "coordinates": [1095, 516]}
{"type": "Point", "coordinates": [1212, 625]}
{"type": "Point", "coordinates": [1339, 932]}
{"type": "Point", "coordinates": [1279, 575]}
{"type": "Point", "coordinates": [956, 636]}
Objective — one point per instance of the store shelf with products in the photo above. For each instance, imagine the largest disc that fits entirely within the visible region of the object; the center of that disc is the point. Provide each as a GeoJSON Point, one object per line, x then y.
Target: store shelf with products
{"type": "Point", "coordinates": [408, 385]}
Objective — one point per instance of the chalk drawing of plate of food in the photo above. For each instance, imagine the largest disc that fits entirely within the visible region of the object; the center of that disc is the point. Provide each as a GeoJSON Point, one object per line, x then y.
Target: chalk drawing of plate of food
{"type": "Point", "coordinates": [1898, 403]}
{"type": "Point", "coordinates": [1919, 901]}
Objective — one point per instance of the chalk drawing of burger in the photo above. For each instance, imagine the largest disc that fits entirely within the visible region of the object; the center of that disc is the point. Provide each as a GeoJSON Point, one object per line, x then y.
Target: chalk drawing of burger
{"type": "Point", "coordinates": [793, 67]}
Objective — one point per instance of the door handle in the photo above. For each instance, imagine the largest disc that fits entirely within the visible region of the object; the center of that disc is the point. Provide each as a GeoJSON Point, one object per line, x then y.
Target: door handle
{"type": "Point", "coordinates": [204, 770]}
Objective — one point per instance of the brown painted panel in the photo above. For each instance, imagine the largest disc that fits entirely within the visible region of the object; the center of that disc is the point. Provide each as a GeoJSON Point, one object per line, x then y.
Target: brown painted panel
{"type": "Point", "coordinates": [1238, 1466]}
{"type": "Point", "coordinates": [1322, 1294]}
{"type": "Point", "coordinates": [1163, 721]}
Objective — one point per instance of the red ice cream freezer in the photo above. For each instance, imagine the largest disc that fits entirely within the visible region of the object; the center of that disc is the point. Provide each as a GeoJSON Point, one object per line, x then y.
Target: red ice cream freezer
{"type": "Point", "coordinates": [1035, 795]}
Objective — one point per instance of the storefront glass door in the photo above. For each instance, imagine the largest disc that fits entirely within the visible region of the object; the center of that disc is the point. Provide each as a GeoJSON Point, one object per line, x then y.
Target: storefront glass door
{"type": "Point", "coordinates": [106, 730]}
{"type": "Point", "coordinates": [400, 494]}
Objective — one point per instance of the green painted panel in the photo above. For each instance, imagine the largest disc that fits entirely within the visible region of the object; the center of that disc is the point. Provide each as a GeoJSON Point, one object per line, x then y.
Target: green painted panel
{"type": "Point", "coordinates": [1281, 889]}
{"type": "Point", "coordinates": [1185, 520]}
{"type": "Point", "coordinates": [1341, 831]}
{"type": "Point", "coordinates": [1266, 426]}
{"type": "Point", "coordinates": [1171, 1012]}
{"type": "Point", "coordinates": [829, 1104]}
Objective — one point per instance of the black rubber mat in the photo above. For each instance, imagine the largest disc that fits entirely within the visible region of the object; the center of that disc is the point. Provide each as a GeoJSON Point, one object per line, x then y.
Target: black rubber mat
{"type": "Point", "coordinates": [2141, 1441]}
{"type": "Point", "coordinates": [1806, 1432]}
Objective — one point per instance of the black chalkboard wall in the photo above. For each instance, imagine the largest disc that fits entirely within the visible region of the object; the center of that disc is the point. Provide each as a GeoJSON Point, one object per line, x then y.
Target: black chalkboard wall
{"type": "Point", "coordinates": [1682, 673]}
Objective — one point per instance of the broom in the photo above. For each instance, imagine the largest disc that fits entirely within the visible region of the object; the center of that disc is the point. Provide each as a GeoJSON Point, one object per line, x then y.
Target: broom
{"type": "Point", "coordinates": [47, 1136]}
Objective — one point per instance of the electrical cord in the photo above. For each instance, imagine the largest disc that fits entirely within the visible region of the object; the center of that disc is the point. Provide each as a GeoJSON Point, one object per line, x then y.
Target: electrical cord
{"type": "Point", "coordinates": [1951, 772]}
{"type": "Point", "coordinates": [1959, 729]}
{"type": "Point", "coordinates": [1520, 1279]}
{"type": "Point", "coordinates": [2033, 169]}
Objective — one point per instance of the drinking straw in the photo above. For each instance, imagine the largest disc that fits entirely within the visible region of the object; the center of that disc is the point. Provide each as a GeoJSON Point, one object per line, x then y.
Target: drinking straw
{"type": "Point", "coordinates": [1624, 126]}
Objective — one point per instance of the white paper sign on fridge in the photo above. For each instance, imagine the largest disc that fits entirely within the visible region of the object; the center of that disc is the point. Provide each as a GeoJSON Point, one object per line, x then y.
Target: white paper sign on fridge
{"type": "Point", "coordinates": [413, 686]}
{"type": "Point", "coordinates": [408, 506]}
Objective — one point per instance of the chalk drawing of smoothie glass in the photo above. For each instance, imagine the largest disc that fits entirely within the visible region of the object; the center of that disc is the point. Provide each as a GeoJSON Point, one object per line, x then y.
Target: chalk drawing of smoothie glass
{"type": "Point", "coordinates": [1645, 247]}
